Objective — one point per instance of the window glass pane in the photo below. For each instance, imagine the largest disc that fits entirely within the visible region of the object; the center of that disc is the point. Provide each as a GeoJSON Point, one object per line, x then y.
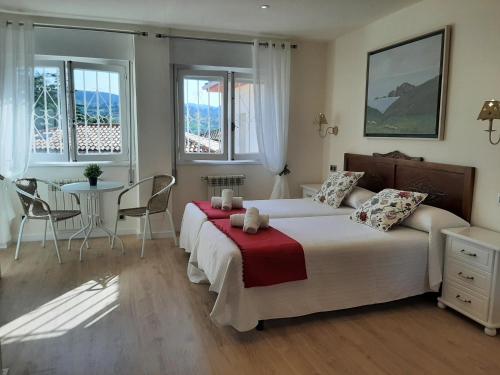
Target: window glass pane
{"type": "Point", "coordinates": [245, 137]}
{"type": "Point", "coordinates": [48, 133]}
{"type": "Point", "coordinates": [203, 115]}
{"type": "Point", "coordinates": [97, 112]}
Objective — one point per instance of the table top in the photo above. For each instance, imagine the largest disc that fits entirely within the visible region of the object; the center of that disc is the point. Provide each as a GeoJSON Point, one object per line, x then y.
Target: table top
{"type": "Point", "coordinates": [480, 236]}
{"type": "Point", "coordinates": [84, 187]}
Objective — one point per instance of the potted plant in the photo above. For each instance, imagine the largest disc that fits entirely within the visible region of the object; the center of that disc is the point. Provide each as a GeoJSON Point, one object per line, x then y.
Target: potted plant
{"type": "Point", "coordinates": [92, 172]}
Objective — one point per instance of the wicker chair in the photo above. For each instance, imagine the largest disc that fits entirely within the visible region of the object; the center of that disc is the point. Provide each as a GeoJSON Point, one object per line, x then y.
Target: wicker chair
{"type": "Point", "coordinates": [157, 204]}
{"type": "Point", "coordinates": [36, 208]}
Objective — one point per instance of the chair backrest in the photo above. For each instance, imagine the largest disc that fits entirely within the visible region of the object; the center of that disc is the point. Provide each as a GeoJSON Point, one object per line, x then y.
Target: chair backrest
{"type": "Point", "coordinates": [161, 182]}
{"type": "Point", "coordinates": [31, 207]}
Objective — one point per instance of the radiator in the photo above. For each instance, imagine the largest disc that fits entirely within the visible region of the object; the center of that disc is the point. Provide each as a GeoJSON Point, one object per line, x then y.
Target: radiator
{"type": "Point", "coordinates": [64, 201]}
{"type": "Point", "coordinates": [215, 184]}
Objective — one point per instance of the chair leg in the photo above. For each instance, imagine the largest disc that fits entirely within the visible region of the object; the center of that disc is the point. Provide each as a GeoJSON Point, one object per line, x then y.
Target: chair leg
{"type": "Point", "coordinates": [172, 227]}
{"type": "Point", "coordinates": [116, 228]}
{"type": "Point", "coordinates": [55, 239]}
{"type": "Point", "coordinates": [44, 234]}
{"type": "Point", "coordinates": [150, 230]}
{"type": "Point", "coordinates": [20, 237]}
{"type": "Point", "coordinates": [146, 221]}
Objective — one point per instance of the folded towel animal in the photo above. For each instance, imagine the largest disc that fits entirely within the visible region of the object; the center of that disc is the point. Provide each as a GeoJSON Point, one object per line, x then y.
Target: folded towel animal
{"type": "Point", "coordinates": [237, 202]}
{"type": "Point", "coordinates": [227, 200]}
{"type": "Point", "coordinates": [251, 220]}
{"type": "Point", "coordinates": [238, 220]}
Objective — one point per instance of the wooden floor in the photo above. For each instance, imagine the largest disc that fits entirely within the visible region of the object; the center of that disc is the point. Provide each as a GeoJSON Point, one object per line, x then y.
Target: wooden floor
{"type": "Point", "coordinates": [114, 314]}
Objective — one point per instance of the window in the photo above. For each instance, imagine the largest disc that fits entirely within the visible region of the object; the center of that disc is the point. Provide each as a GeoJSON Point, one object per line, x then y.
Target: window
{"type": "Point", "coordinates": [81, 111]}
{"type": "Point", "coordinates": [50, 133]}
{"type": "Point", "coordinates": [214, 115]}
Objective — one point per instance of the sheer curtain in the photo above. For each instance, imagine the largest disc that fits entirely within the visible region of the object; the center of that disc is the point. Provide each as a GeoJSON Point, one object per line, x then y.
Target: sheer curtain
{"type": "Point", "coordinates": [271, 68]}
{"type": "Point", "coordinates": [16, 112]}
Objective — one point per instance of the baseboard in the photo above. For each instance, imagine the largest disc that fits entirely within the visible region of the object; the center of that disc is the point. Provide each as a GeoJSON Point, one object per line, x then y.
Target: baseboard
{"type": "Point", "coordinates": [159, 234]}
{"type": "Point", "coordinates": [65, 234]}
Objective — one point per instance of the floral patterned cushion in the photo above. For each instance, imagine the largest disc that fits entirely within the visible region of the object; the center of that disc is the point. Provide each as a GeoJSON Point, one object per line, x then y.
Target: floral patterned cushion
{"type": "Point", "coordinates": [336, 187]}
{"type": "Point", "coordinates": [387, 208]}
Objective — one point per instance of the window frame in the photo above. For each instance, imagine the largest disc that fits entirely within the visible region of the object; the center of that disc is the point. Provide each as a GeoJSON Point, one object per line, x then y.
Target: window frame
{"type": "Point", "coordinates": [202, 73]}
{"type": "Point", "coordinates": [239, 156]}
{"type": "Point", "coordinates": [70, 155]}
{"type": "Point", "coordinates": [229, 156]}
{"type": "Point", "coordinates": [124, 111]}
{"type": "Point", "coordinates": [62, 156]}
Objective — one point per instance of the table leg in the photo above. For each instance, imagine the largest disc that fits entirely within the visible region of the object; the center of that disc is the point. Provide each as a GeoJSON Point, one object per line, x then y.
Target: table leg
{"type": "Point", "coordinates": [84, 230]}
{"type": "Point", "coordinates": [95, 221]}
{"type": "Point", "coordinates": [90, 225]}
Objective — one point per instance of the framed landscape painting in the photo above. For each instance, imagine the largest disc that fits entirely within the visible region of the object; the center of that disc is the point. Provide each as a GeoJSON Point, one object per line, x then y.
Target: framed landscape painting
{"type": "Point", "coordinates": [406, 88]}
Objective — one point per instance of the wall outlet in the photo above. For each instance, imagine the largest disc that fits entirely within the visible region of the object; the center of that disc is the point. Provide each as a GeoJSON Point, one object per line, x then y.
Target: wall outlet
{"type": "Point", "coordinates": [498, 199]}
{"type": "Point", "coordinates": [333, 168]}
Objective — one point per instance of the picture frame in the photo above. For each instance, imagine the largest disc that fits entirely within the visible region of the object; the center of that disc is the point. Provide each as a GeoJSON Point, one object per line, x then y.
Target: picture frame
{"type": "Point", "coordinates": [406, 84]}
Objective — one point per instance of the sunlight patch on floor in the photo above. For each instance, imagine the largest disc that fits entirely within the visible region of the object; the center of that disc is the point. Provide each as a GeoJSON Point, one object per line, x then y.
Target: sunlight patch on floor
{"type": "Point", "coordinates": [87, 303]}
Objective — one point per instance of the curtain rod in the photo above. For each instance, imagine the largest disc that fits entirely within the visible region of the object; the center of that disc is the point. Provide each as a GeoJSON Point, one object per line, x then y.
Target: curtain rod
{"type": "Point", "coordinates": [69, 27]}
{"type": "Point", "coordinates": [161, 36]}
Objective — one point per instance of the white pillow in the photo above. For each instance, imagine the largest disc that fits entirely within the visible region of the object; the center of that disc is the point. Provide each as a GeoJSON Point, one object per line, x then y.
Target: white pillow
{"type": "Point", "coordinates": [428, 218]}
{"type": "Point", "coordinates": [357, 197]}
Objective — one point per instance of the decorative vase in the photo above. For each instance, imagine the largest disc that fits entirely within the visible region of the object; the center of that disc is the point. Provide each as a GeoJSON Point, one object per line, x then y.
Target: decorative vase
{"type": "Point", "coordinates": [93, 181]}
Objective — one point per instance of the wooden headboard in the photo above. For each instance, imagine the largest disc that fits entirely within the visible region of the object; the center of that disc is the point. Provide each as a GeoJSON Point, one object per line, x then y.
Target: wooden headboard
{"type": "Point", "coordinates": [449, 187]}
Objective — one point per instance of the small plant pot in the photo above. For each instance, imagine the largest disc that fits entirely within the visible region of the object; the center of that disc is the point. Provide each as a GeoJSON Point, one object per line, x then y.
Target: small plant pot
{"type": "Point", "coordinates": [93, 181]}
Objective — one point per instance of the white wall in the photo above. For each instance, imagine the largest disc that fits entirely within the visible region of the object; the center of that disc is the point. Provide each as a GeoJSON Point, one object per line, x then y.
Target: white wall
{"type": "Point", "coordinates": [196, 52]}
{"type": "Point", "coordinates": [474, 76]}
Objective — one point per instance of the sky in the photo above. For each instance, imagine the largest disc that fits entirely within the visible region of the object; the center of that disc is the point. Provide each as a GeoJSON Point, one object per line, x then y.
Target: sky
{"type": "Point", "coordinates": [414, 63]}
{"type": "Point", "coordinates": [194, 86]}
{"type": "Point", "coordinates": [91, 80]}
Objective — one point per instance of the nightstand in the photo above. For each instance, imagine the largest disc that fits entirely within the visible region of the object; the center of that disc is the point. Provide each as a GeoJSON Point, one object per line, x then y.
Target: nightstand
{"type": "Point", "coordinates": [309, 190]}
{"type": "Point", "coordinates": [471, 282]}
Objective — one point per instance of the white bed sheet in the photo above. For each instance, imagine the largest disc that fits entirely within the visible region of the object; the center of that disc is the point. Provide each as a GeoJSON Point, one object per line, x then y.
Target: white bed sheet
{"type": "Point", "coordinates": [194, 218]}
{"type": "Point", "coordinates": [348, 265]}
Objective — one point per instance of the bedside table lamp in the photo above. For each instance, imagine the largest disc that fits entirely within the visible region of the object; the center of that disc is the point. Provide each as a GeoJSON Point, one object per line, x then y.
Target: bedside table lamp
{"type": "Point", "coordinates": [490, 111]}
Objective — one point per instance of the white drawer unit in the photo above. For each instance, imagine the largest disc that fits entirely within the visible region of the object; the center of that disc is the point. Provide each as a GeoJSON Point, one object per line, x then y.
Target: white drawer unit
{"type": "Point", "coordinates": [471, 283]}
{"type": "Point", "coordinates": [310, 190]}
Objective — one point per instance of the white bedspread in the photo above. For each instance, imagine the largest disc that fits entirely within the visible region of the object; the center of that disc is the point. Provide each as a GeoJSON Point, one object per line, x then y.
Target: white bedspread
{"type": "Point", "coordinates": [194, 218]}
{"type": "Point", "coordinates": [347, 264]}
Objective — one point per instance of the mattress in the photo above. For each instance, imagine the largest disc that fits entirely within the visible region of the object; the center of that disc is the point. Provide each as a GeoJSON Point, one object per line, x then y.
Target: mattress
{"type": "Point", "coordinates": [348, 265]}
{"type": "Point", "coordinates": [194, 218]}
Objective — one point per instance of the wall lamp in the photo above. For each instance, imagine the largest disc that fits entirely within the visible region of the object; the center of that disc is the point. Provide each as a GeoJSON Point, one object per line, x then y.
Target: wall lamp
{"type": "Point", "coordinates": [490, 111]}
{"type": "Point", "coordinates": [329, 130]}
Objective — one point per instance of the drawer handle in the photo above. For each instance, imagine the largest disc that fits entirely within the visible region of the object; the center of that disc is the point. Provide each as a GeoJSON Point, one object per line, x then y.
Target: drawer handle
{"type": "Point", "coordinates": [466, 277]}
{"type": "Point", "coordinates": [460, 298]}
{"type": "Point", "coordinates": [467, 253]}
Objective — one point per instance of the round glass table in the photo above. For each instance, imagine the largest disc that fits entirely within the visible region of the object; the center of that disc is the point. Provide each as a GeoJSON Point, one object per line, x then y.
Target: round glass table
{"type": "Point", "coordinates": [94, 220]}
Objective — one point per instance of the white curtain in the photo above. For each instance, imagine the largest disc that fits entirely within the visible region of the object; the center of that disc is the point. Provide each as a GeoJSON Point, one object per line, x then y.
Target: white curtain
{"type": "Point", "coordinates": [16, 112]}
{"type": "Point", "coordinates": [271, 68]}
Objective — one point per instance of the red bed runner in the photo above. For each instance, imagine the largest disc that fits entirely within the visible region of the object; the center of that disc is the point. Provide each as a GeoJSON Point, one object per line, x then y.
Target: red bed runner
{"type": "Point", "coordinates": [269, 256]}
{"type": "Point", "coordinates": [216, 213]}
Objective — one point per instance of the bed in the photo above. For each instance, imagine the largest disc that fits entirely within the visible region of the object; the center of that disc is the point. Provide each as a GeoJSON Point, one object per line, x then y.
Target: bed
{"type": "Point", "coordinates": [348, 264]}
{"type": "Point", "coordinates": [194, 218]}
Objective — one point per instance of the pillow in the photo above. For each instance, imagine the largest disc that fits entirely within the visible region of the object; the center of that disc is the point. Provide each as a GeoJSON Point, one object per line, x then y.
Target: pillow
{"type": "Point", "coordinates": [387, 208]}
{"type": "Point", "coordinates": [358, 196]}
{"type": "Point", "coordinates": [336, 187]}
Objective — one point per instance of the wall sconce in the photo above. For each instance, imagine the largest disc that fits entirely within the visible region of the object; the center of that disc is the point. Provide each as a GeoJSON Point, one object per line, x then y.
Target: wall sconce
{"type": "Point", "coordinates": [329, 130]}
{"type": "Point", "coordinates": [490, 111]}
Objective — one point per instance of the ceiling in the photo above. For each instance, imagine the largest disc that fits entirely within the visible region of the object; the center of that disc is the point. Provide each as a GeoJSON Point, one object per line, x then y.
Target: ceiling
{"type": "Point", "coordinates": [308, 19]}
